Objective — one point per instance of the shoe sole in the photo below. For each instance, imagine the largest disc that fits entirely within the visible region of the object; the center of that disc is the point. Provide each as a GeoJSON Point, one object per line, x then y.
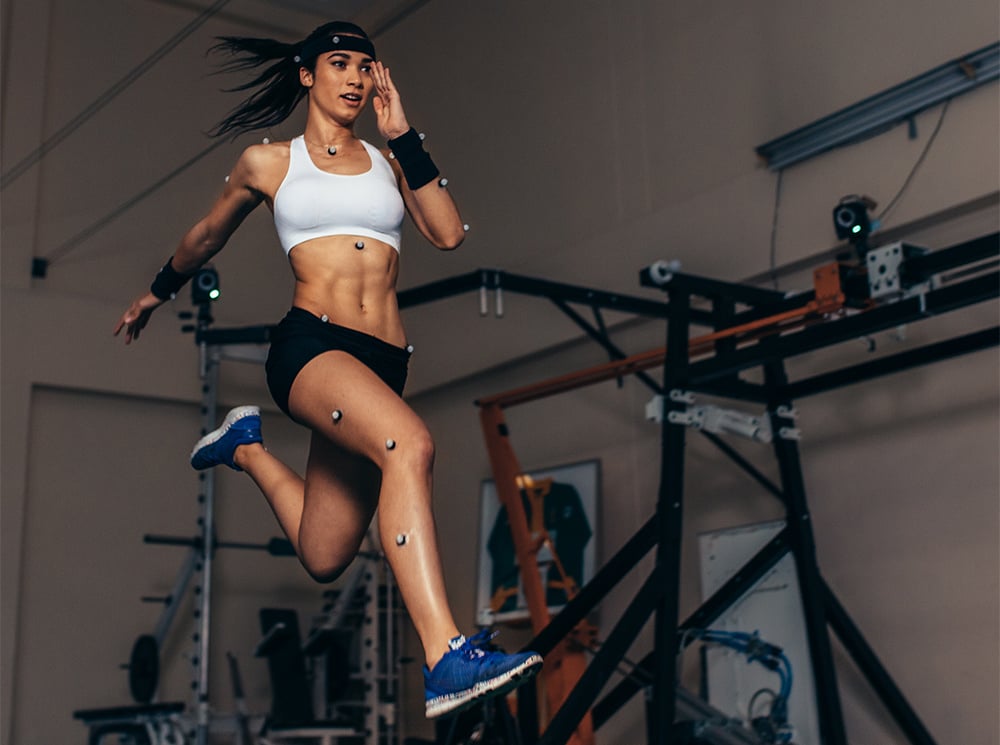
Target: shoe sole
{"type": "Point", "coordinates": [498, 686]}
{"type": "Point", "coordinates": [232, 417]}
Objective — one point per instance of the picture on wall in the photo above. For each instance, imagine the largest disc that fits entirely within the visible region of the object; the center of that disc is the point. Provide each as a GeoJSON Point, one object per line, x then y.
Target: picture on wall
{"type": "Point", "coordinates": [560, 505]}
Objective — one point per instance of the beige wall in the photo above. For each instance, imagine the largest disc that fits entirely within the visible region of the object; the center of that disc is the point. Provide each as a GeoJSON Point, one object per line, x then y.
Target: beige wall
{"type": "Point", "coordinates": [583, 141]}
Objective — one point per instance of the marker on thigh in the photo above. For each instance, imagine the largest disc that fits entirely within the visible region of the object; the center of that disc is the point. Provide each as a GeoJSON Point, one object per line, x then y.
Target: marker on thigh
{"type": "Point", "coordinates": [337, 415]}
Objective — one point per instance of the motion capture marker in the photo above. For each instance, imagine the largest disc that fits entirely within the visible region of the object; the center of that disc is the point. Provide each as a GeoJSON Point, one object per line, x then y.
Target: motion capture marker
{"type": "Point", "coordinates": [443, 182]}
{"type": "Point", "coordinates": [359, 245]}
{"type": "Point", "coordinates": [332, 150]}
{"type": "Point", "coordinates": [227, 179]}
{"type": "Point", "coordinates": [297, 58]}
{"type": "Point", "coordinates": [466, 227]}
{"type": "Point", "coordinates": [422, 136]}
{"type": "Point", "coordinates": [409, 348]}
{"type": "Point", "coordinates": [390, 444]}
{"type": "Point", "coordinates": [336, 40]}
{"type": "Point", "coordinates": [266, 141]}
{"type": "Point", "coordinates": [337, 415]}
{"type": "Point", "coordinates": [401, 539]}
{"type": "Point", "coordinates": [324, 318]}
{"type": "Point", "coordinates": [392, 156]}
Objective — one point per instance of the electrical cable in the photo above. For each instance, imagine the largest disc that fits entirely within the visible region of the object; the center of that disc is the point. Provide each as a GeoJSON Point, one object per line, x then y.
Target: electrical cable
{"type": "Point", "coordinates": [774, 659]}
{"type": "Point", "coordinates": [774, 229]}
{"type": "Point", "coordinates": [753, 701]}
{"type": "Point", "coordinates": [919, 162]}
{"type": "Point", "coordinates": [105, 98]}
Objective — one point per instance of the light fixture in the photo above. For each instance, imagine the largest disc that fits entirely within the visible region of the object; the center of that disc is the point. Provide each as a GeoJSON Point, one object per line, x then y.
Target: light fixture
{"type": "Point", "coordinates": [884, 110]}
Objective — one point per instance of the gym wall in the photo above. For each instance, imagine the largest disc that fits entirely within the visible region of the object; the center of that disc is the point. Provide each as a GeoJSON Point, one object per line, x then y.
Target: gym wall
{"type": "Point", "coordinates": [582, 141]}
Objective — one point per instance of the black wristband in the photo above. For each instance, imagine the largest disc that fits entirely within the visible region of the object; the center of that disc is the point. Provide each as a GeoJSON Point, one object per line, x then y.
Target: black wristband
{"type": "Point", "coordinates": [168, 282]}
{"type": "Point", "coordinates": [416, 164]}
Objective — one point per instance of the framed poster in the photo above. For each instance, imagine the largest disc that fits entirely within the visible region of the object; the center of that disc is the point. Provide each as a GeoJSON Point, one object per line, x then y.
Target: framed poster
{"type": "Point", "coordinates": [561, 504]}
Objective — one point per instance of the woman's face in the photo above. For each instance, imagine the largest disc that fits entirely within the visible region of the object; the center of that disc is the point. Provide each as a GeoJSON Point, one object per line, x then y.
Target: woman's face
{"type": "Point", "coordinates": [341, 83]}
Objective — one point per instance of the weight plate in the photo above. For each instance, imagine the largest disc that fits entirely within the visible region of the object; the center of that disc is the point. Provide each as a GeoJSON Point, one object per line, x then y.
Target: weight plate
{"type": "Point", "coordinates": [144, 669]}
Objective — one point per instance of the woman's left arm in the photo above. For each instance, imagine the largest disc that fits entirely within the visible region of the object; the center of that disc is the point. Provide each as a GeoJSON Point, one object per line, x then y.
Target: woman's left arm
{"type": "Point", "coordinates": [430, 205]}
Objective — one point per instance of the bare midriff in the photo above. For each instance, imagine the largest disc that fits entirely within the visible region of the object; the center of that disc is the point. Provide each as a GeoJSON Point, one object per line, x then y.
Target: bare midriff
{"type": "Point", "coordinates": [351, 286]}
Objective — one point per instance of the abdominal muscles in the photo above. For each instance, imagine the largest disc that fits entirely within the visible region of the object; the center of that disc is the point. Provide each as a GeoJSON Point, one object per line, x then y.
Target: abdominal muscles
{"type": "Point", "coordinates": [353, 286]}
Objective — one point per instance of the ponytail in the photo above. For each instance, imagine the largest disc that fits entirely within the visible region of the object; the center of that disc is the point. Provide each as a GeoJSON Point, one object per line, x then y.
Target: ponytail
{"type": "Point", "coordinates": [276, 88]}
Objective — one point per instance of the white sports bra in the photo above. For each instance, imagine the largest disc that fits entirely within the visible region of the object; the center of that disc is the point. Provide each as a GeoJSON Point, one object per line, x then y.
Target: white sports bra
{"type": "Point", "coordinates": [311, 203]}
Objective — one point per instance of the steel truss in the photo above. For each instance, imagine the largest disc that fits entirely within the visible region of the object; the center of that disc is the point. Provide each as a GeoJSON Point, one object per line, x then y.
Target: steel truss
{"type": "Point", "coordinates": [718, 375]}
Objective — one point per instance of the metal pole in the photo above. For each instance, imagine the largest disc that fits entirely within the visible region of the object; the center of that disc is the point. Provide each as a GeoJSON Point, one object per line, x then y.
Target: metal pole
{"type": "Point", "coordinates": [878, 678]}
{"type": "Point", "coordinates": [370, 632]}
{"type": "Point", "coordinates": [800, 537]}
{"type": "Point", "coordinates": [391, 669]}
{"type": "Point", "coordinates": [203, 594]}
{"type": "Point", "coordinates": [669, 512]}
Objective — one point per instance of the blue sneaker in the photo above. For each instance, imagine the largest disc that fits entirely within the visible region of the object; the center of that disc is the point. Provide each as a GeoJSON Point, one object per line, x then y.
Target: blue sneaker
{"type": "Point", "coordinates": [240, 427]}
{"type": "Point", "coordinates": [470, 672]}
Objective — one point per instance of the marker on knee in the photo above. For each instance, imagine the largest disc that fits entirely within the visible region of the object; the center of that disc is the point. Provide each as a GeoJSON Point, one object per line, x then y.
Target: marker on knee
{"type": "Point", "coordinates": [337, 415]}
{"type": "Point", "coordinates": [390, 444]}
{"type": "Point", "coordinates": [401, 539]}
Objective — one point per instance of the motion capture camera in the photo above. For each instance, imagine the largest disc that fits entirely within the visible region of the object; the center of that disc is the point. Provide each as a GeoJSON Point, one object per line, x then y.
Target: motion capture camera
{"type": "Point", "coordinates": [851, 219]}
{"type": "Point", "coordinates": [205, 286]}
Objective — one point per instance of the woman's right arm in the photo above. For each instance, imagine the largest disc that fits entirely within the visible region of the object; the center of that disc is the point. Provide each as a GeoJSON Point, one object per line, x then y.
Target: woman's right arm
{"type": "Point", "coordinates": [206, 238]}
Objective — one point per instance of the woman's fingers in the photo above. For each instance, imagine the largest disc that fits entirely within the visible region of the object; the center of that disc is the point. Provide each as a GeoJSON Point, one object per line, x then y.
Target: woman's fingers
{"type": "Point", "coordinates": [136, 317]}
{"type": "Point", "coordinates": [383, 82]}
{"type": "Point", "coordinates": [387, 105]}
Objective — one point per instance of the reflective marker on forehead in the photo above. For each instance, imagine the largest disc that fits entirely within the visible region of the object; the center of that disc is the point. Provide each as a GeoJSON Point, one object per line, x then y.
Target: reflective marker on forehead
{"type": "Point", "coordinates": [333, 43]}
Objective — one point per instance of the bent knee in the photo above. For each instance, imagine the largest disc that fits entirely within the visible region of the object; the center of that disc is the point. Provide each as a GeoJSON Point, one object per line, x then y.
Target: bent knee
{"type": "Point", "coordinates": [415, 448]}
{"type": "Point", "coordinates": [323, 572]}
{"type": "Point", "coordinates": [326, 569]}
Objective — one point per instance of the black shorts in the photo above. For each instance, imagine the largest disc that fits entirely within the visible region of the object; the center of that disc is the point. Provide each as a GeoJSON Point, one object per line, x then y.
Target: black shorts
{"type": "Point", "coordinates": [301, 336]}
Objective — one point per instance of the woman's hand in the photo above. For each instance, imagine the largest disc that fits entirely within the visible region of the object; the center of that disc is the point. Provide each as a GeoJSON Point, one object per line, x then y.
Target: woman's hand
{"type": "Point", "coordinates": [388, 108]}
{"type": "Point", "coordinates": [137, 316]}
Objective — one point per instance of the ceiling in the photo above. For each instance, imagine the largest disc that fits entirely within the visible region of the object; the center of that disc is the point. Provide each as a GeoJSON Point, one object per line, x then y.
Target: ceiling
{"type": "Point", "coordinates": [373, 15]}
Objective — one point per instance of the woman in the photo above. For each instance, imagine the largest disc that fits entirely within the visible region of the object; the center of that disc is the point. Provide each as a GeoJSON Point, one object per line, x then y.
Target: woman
{"type": "Point", "coordinates": [337, 362]}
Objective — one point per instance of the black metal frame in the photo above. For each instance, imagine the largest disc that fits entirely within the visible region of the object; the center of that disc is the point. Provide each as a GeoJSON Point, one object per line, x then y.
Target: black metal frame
{"type": "Point", "coordinates": [718, 375]}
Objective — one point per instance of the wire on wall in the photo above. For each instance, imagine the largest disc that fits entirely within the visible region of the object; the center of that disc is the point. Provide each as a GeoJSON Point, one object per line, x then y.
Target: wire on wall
{"type": "Point", "coordinates": [774, 230]}
{"type": "Point", "coordinates": [916, 166]}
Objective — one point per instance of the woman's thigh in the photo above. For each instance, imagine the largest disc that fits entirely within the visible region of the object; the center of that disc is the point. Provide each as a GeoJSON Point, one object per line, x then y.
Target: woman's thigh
{"type": "Point", "coordinates": [353, 414]}
{"type": "Point", "coordinates": [340, 398]}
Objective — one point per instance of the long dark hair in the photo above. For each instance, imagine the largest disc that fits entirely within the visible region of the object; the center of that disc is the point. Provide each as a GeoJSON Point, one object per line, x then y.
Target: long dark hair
{"type": "Point", "coordinates": [276, 89]}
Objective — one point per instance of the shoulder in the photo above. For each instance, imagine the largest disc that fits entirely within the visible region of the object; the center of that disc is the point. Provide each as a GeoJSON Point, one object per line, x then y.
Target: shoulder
{"type": "Point", "coordinates": [386, 154]}
{"type": "Point", "coordinates": [264, 156]}
{"type": "Point", "coordinates": [260, 166]}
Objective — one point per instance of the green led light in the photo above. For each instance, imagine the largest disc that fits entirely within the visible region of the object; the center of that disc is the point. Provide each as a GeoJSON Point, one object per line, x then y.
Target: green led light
{"type": "Point", "coordinates": [214, 294]}
{"type": "Point", "coordinates": [856, 229]}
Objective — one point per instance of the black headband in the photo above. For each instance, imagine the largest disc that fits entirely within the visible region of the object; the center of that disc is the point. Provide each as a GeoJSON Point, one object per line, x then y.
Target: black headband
{"type": "Point", "coordinates": [315, 47]}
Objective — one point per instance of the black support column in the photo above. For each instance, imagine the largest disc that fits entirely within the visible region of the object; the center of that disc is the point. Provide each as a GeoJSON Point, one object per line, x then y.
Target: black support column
{"type": "Point", "coordinates": [803, 547]}
{"type": "Point", "coordinates": [670, 512]}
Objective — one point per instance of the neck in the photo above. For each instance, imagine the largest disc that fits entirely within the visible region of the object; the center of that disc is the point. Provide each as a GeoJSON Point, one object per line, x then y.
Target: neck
{"type": "Point", "coordinates": [328, 139]}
